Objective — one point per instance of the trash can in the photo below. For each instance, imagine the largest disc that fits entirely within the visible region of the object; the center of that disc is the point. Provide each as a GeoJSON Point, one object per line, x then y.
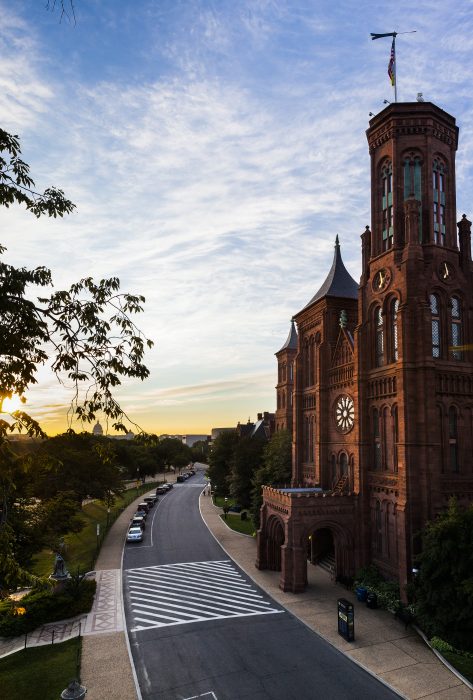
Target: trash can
{"type": "Point", "coordinates": [361, 592]}
{"type": "Point", "coordinates": [372, 601]}
{"type": "Point", "coordinates": [346, 620]}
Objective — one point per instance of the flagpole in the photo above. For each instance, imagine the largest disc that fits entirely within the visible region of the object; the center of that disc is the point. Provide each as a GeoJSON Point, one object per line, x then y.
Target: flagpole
{"type": "Point", "coordinates": [395, 67]}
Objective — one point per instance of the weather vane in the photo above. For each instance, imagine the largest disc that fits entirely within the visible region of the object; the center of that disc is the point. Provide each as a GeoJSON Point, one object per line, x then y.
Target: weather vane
{"type": "Point", "coordinates": [392, 58]}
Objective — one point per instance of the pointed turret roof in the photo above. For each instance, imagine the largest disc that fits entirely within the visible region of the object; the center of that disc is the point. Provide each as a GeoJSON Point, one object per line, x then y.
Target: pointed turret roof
{"type": "Point", "coordinates": [339, 282]}
{"type": "Point", "coordinates": [291, 342]}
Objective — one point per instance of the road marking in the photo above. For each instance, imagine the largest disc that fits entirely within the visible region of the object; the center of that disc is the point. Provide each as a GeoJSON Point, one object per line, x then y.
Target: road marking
{"type": "Point", "coordinates": [179, 594]}
{"type": "Point", "coordinates": [204, 695]}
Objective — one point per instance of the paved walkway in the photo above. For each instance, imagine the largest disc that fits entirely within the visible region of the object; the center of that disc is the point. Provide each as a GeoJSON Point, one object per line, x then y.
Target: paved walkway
{"type": "Point", "coordinates": [382, 646]}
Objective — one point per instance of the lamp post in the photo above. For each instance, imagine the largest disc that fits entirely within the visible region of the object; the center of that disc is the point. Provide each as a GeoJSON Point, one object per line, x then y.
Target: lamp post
{"type": "Point", "coordinates": [74, 691]}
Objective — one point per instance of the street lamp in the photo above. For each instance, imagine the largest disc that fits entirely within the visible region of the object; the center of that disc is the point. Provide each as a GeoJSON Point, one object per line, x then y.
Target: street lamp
{"type": "Point", "coordinates": [74, 691]}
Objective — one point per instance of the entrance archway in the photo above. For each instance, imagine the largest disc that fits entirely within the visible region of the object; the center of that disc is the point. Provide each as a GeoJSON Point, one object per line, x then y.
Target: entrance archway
{"type": "Point", "coordinates": [274, 541]}
{"type": "Point", "coordinates": [322, 548]}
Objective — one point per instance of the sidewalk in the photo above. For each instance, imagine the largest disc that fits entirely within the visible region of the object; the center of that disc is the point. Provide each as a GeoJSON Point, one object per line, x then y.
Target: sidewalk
{"type": "Point", "coordinates": [383, 647]}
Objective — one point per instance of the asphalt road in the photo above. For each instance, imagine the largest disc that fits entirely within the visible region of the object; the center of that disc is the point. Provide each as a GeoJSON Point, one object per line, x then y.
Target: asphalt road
{"type": "Point", "coordinates": [199, 628]}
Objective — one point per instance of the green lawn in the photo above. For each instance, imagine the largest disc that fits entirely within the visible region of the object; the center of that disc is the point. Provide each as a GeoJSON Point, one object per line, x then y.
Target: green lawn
{"type": "Point", "coordinates": [80, 551]}
{"type": "Point", "coordinates": [236, 523]}
{"type": "Point", "coordinates": [39, 672]}
{"type": "Point", "coordinates": [462, 663]}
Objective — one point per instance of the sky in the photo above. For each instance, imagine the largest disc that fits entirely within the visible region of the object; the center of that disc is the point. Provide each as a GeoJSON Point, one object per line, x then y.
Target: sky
{"type": "Point", "coordinates": [214, 150]}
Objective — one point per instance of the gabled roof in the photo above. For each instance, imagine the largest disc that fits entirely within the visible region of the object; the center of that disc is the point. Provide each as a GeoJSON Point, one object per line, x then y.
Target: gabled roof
{"type": "Point", "coordinates": [339, 282]}
{"type": "Point", "coordinates": [291, 342]}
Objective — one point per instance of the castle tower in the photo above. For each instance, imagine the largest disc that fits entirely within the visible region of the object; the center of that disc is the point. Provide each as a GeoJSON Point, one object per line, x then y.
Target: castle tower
{"type": "Point", "coordinates": [414, 370]}
{"type": "Point", "coordinates": [284, 387]}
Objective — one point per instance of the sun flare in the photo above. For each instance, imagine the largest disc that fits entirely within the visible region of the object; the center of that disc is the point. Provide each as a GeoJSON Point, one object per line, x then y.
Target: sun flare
{"type": "Point", "coordinates": [12, 404]}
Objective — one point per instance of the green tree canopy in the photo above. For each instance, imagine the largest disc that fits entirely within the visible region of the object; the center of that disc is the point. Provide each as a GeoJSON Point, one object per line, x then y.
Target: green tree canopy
{"type": "Point", "coordinates": [220, 460]}
{"type": "Point", "coordinates": [276, 469]}
{"type": "Point", "coordinates": [247, 459]}
{"type": "Point", "coordinates": [444, 584]}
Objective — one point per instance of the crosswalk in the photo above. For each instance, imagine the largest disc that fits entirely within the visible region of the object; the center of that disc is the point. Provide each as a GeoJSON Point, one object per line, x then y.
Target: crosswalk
{"type": "Point", "coordinates": [177, 594]}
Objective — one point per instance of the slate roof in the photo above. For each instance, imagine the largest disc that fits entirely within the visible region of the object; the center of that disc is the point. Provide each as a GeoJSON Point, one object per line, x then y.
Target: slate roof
{"type": "Point", "coordinates": [291, 342]}
{"type": "Point", "coordinates": [339, 282]}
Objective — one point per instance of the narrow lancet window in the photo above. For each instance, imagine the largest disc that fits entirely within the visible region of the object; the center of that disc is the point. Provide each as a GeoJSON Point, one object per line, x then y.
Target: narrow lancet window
{"type": "Point", "coordinates": [387, 205]}
{"type": "Point", "coordinates": [438, 185]}
{"type": "Point", "coordinates": [456, 329]}
{"type": "Point", "coordinates": [435, 315]}
{"type": "Point", "coordinates": [379, 333]}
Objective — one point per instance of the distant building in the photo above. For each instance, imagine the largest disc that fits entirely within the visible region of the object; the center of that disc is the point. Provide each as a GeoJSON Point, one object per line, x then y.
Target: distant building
{"type": "Point", "coordinates": [215, 432]}
{"type": "Point", "coordinates": [263, 428]}
{"type": "Point", "coordinates": [190, 440]}
{"type": "Point", "coordinates": [97, 429]}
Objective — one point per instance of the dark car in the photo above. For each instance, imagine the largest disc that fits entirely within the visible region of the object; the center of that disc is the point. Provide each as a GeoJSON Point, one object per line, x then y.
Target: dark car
{"type": "Point", "coordinates": [168, 486]}
{"type": "Point", "coordinates": [160, 490]}
{"type": "Point", "coordinates": [150, 500]}
{"type": "Point", "coordinates": [143, 506]}
{"type": "Point", "coordinates": [138, 521]}
{"type": "Point", "coordinates": [235, 509]}
{"type": "Point", "coordinates": [181, 478]}
{"type": "Point", "coordinates": [141, 514]}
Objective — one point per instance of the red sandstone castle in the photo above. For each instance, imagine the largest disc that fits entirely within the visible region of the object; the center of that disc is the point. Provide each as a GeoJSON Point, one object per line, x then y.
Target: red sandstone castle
{"type": "Point", "coordinates": [376, 384]}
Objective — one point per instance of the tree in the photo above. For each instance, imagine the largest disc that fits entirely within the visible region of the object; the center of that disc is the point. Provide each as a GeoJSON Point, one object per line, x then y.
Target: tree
{"type": "Point", "coordinates": [200, 451]}
{"type": "Point", "coordinates": [86, 332]}
{"type": "Point", "coordinates": [247, 459]}
{"type": "Point", "coordinates": [220, 459]}
{"type": "Point", "coordinates": [444, 584]}
{"type": "Point", "coordinates": [276, 469]}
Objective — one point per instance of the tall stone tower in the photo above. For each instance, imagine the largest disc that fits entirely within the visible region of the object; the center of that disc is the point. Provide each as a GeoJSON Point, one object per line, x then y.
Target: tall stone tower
{"type": "Point", "coordinates": [414, 370]}
{"type": "Point", "coordinates": [285, 385]}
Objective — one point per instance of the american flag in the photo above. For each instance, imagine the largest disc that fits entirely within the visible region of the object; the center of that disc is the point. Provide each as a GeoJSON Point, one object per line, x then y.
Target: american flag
{"type": "Point", "coordinates": [392, 64]}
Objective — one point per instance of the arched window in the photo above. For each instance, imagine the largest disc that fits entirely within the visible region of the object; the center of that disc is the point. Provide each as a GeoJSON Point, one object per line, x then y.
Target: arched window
{"type": "Point", "coordinates": [279, 400]}
{"type": "Point", "coordinates": [453, 439]}
{"type": "Point", "coordinates": [306, 363]}
{"type": "Point", "coordinates": [376, 440]}
{"type": "Point", "coordinates": [343, 464]}
{"type": "Point", "coordinates": [438, 184]}
{"type": "Point", "coordinates": [312, 364]}
{"type": "Point", "coordinates": [387, 204]}
{"type": "Point", "coordinates": [435, 315]}
{"type": "Point", "coordinates": [311, 439]}
{"type": "Point", "coordinates": [284, 399]}
{"type": "Point", "coordinates": [394, 334]}
{"type": "Point", "coordinates": [395, 438]}
{"type": "Point", "coordinates": [386, 437]}
{"type": "Point", "coordinates": [378, 528]}
{"type": "Point", "coordinates": [456, 328]}
{"type": "Point", "coordinates": [379, 337]}
{"type": "Point", "coordinates": [291, 372]}
{"type": "Point", "coordinates": [413, 182]}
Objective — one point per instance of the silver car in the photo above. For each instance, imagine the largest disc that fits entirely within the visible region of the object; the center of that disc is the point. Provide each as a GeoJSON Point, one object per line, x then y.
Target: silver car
{"type": "Point", "coordinates": [135, 534]}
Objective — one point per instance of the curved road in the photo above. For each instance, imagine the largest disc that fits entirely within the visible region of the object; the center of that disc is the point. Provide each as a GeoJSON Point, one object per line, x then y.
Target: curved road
{"type": "Point", "coordinates": [199, 628]}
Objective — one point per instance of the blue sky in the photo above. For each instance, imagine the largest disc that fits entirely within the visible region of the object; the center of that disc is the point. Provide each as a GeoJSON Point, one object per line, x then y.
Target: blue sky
{"type": "Point", "coordinates": [214, 150]}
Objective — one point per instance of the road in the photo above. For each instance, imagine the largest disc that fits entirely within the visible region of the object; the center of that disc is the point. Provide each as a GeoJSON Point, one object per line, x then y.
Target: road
{"type": "Point", "coordinates": [200, 628]}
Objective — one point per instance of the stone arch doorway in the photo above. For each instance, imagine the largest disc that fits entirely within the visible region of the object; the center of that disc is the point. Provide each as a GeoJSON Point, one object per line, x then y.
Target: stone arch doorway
{"type": "Point", "coordinates": [274, 541]}
{"type": "Point", "coordinates": [321, 547]}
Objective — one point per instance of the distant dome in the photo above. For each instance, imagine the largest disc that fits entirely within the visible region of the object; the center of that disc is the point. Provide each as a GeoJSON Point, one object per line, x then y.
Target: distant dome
{"type": "Point", "coordinates": [97, 429]}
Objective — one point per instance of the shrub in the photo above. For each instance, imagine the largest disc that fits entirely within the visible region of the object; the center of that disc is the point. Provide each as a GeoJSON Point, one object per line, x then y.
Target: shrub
{"type": "Point", "coordinates": [387, 591]}
{"type": "Point", "coordinates": [40, 607]}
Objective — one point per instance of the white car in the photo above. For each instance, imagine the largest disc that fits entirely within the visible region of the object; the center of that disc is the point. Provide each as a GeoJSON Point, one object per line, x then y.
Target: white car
{"type": "Point", "coordinates": [135, 534]}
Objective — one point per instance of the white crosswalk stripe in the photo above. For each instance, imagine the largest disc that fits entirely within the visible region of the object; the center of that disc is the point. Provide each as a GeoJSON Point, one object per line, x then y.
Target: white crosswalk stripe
{"type": "Point", "coordinates": [176, 594]}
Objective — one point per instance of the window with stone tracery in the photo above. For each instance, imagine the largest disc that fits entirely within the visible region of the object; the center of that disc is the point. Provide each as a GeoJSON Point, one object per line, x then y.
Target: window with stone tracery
{"type": "Point", "coordinates": [456, 328]}
{"type": "Point", "coordinates": [413, 182]}
{"type": "Point", "coordinates": [379, 337]}
{"type": "Point", "coordinates": [387, 205]}
{"type": "Point", "coordinates": [394, 331]}
{"type": "Point", "coordinates": [435, 322]}
{"type": "Point", "coordinates": [438, 185]}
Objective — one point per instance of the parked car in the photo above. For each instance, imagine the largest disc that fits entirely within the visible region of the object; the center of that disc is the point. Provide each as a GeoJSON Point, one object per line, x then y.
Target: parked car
{"type": "Point", "coordinates": [168, 486]}
{"type": "Point", "coordinates": [235, 509]}
{"type": "Point", "coordinates": [142, 513]}
{"type": "Point", "coordinates": [161, 489]}
{"type": "Point", "coordinates": [138, 521]}
{"type": "Point", "coordinates": [150, 500]}
{"type": "Point", "coordinates": [144, 506]}
{"type": "Point", "coordinates": [135, 534]}
{"type": "Point", "coordinates": [181, 478]}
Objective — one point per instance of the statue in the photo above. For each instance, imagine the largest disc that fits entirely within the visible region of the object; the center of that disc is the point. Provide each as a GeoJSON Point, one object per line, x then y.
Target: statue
{"type": "Point", "coordinates": [60, 572]}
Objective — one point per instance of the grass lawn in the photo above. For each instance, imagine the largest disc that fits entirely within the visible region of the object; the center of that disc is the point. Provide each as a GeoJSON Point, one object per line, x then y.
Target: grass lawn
{"type": "Point", "coordinates": [80, 550]}
{"type": "Point", "coordinates": [236, 523]}
{"type": "Point", "coordinates": [462, 663]}
{"type": "Point", "coordinates": [39, 672]}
